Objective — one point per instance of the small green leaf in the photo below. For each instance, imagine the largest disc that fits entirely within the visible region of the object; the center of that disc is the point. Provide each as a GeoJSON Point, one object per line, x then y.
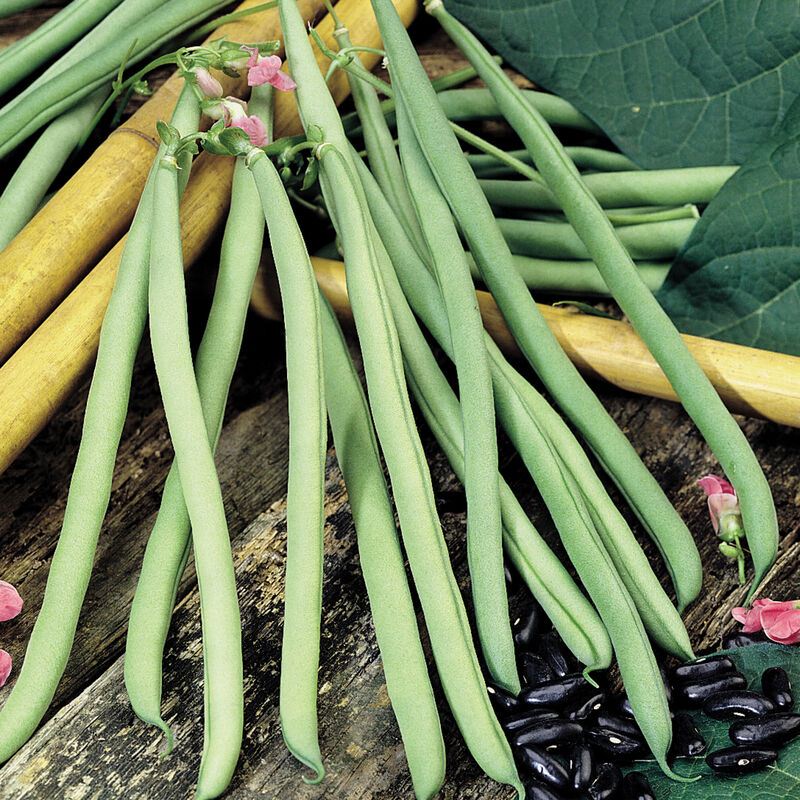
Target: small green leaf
{"type": "Point", "coordinates": [779, 782]}
{"type": "Point", "coordinates": [674, 83]}
{"type": "Point", "coordinates": [585, 308]}
{"type": "Point", "coordinates": [169, 135]}
{"type": "Point", "coordinates": [312, 170]}
{"type": "Point", "coordinates": [141, 87]}
{"type": "Point", "coordinates": [737, 278]}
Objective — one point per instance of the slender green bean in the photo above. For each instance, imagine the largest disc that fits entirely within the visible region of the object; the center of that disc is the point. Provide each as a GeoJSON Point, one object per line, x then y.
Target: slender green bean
{"type": "Point", "coordinates": [487, 166]}
{"type": "Point", "coordinates": [49, 38]}
{"type": "Point", "coordinates": [169, 542]}
{"type": "Point", "coordinates": [90, 488]}
{"type": "Point", "coordinates": [222, 646]}
{"type": "Point", "coordinates": [651, 241]}
{"type": "Point", "coordinates": [20, 120]}
{"type": "Point", "coordinates": [484, 525]}
{"type": "Point", "coordinates": [15, 6]}
{"type": "Point", "coordinates": [695, 391]}
{"type": "Point", "coordinates": [664, 187]}
{"type": "Point", "coordinates": [382, 564]}
{"type": "Point", "coordinates": [575, 277]}
{"type": "Point", "coordinates": [475, 219]}
{"type": "Point", "coordinates": [32, 179]}
{"type": "Point", "coordinates": [636, 215]}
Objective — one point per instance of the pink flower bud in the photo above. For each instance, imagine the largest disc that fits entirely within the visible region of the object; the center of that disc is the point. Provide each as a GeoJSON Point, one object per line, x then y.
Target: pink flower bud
{"type": "Point", "coordinates": [780, 621]}
{"type": "Point", "coordinates": [5, 666]}
{"type": "Point", "coordinates": [254, 128]}
{"type": "Point", "coordinates": [208, 84]}
{"type": "Point", "coordinates": [267, 69]}
{"type": "Point", "coordinates": [723, 505]}
{"type": "Point", "coordinates": [10, 601]}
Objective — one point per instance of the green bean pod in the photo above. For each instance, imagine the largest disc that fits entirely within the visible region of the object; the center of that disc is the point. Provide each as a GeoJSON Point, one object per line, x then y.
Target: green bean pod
{"type": "Point", "coordinates": [222, 645]}
{"type": "Point", "coordinates": [169, 542]}
{"type": "Point", "coordinates": [484, 525]}
{"type": "Point", "coordinates": [582, 209]}
{"type": "Point", "coordinates": [382, 564]}
{"type": "Point", "coordinates": [474, 217]}
{"type": "Point", "coordinates": [90, 487]}
{"type": "Point", "coordinates": [593, 158]}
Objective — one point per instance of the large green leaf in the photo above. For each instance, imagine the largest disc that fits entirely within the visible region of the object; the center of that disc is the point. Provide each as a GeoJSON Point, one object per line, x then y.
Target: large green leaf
{"type": "Point", "coordinates": [673, 82]}
{"type": "Point", "coordinates": [775, 783]}
{"type": "Point", "coordinates": [737, 277]}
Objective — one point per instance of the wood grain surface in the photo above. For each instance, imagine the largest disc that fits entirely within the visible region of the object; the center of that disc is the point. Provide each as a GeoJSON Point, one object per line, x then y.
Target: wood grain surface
{"type": "Point", "coordinates": [92, 745]}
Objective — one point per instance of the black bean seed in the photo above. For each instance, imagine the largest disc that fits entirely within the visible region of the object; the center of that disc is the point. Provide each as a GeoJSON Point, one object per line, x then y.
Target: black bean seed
{"type": "Point", "coordinates": [619, 746]}
{"type": "Point", "coordinates": [665, 679]}
{"type": "Point", "coordinates": [547, 733]}
{"type": "Point", "coordinates": [544, 767]}
{"type": "Point", "coordinates": [686, 739]}
{"type": "Point", "coordinates": [556, 693]}
{"type": "Point", "coordinates": [772, 730]}
{"type": "Point", "coordinates": [693, 694]}
{"type": "Point", "coordinates": [538, 791]}
{"type": "Point", "coordinates": [624, 725]}
{"type": "Point", "coordinates": [503, 702]}
{"type": "Point", "coordinates": [534, 669]}
{"type": "Point", "coordinates": [524, 717]}
{"type": "Point", "coordinates": [513, 579]}
{"type": "Point", "coordinates": [739, 760]}
{"type": "Point", "coordinates": [552, 649]}
{"type": "Point", "coordinates": [528, 625]}
{"type": "Point", "coordinates": [776, 685]}
{"type": "Point", "coordinates": [736, 640]}
{"type": "Point", "coordinates": [704, 668]}
{"type": "Point", "coordinates": [608, 783]}
{"type": "Point", "coordinates": [635, 786]}
{"type": "Point", "coordinates": [451, 501]}
{"type": "Point", "coordinates": [582, 709]}
{"type": "Point", "coordinates": [737, 703]}
{"type": "Point", "coordinates": [581, 767]}
{"type": "Point", "coordinates": [624, 706]}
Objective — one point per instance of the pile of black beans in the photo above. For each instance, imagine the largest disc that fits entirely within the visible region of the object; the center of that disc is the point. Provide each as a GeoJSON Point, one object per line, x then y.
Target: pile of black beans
{"type": "Point", "coordinates": [570, 738]}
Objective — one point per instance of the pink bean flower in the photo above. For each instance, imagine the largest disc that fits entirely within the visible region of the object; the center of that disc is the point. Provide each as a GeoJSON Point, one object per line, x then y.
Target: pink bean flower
{"type": "Point", "coordinates": [208, 84]}
{"type": "Point", "coordinates": [254, 128]}
{"type": "Point", "coordinates": [5, 666]}
{"type": "Point", "coordinates": [267, 69]}
{"type": "Point", "coordinates": [723, 505]}
{"type": "Point", "coordinates": [234, 111]}
{"type": "Point", "coordinates": [780, 621]}
{"type": "Point", "coordinates": [10, 601]}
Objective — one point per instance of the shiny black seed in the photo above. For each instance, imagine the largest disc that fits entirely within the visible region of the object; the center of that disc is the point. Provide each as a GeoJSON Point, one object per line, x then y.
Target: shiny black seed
{"type": "Point", "coordinates": [624, 725]}
{"type": "Point", "coordinates": [544, 767]}
{"type": "Point", "coordinates": [528, 625]}
{"type": "Point", "coordinates": [538, 791]}
{"type": "Point", "coordinates": [534, 669]}
{"type": "Point", "coordinates": [736, 640]}
{"type": "Point", "coordinates": [608, 783]}
{"type": "Point", "coordinates": [665, 680]}
{"type": "Point", "coordinates": [523, 717]}
{"type": "Point", "coordinates": [693, 694]}
{"type": "Point", "coordinates": [704, 668]}
{"type": "Point", "coordinates": [619, 746]}
{"type": "Point", "coordinates": [624, 706]}
{"type": "Point", "coordinates": [772, 730]}
{"type": "Point", "coordinates": [513, 579]}
{"type": "Point", "coordinates": [556, 693]}
{"type": "Point", "coordinates": [739, 760]}
{"type": "Point", "coordinates": [582, 709]}
{"type": "Point", "coordinates": [635, 786]}
{"type": "Point", "coordinates": [737, 703]}
{"type": "Point", "coordinates": [558, 658]}
{"type": "Point", "coordinates": [686, 739]}
{"type": "Point", "coordinates": [547, 733]}
{"type": "Point", "coordinates": [776, 685]}
{"type": "Point", "coordinates": [503, 702]}
{"type": "Point", "coordinates": [581, 767]}
{"type": "Point", "coordinates": [451, 502]}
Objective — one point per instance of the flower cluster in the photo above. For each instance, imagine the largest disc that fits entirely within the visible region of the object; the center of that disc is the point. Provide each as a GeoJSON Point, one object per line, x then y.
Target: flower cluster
{"type": "Point", "coordinates": [780, 621]}
{"type": "Point", "coordinates": [260, 70]}
{"type": "Point", "coordinates": [10, 606]}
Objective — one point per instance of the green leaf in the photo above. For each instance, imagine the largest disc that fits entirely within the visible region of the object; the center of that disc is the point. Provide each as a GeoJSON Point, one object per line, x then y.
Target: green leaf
{"type": "Point", "coordinates": [737, 278]}
{"type": "Point", "coordinates": [169, 135]}
{"type": "Point", "coordinates": [779, 781]}
{"type": "Point", "coordinates": [674, 83]}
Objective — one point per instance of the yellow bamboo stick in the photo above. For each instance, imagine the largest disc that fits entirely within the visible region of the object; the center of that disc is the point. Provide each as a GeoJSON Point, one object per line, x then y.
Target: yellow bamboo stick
{"type": "Point", "coordinates": [758, 383]}
{"type": "Point", "coordinates": [50, 363]}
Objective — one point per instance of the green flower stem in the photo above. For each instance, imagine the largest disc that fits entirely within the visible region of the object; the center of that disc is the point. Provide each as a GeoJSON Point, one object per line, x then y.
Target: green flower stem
{"type": "Point", "coordinates": [663, 187]}
{"type": "Point", "coordinates": [475, 219]}
{"type": "Point", "coordinates": [649, 241]}
{"type": "Point", "coordinates": [50, 38]}
{"type": "Point", "coordinates": [695, 391]}
{"type": "Point", "coordinates": [62, 91]}
{"type": "Point", "coordinates": [382, 564]}
{"type": "Point", "coordinates": [574, 277]}
{"type": "Point", "coordinates": [169, 336]}
{"type": "Point", "coordinates": [31, 181]}
{"type": "Point", "coordinates": [90, 488]}
{"type": "Point", "coordinates": [484, 525]}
